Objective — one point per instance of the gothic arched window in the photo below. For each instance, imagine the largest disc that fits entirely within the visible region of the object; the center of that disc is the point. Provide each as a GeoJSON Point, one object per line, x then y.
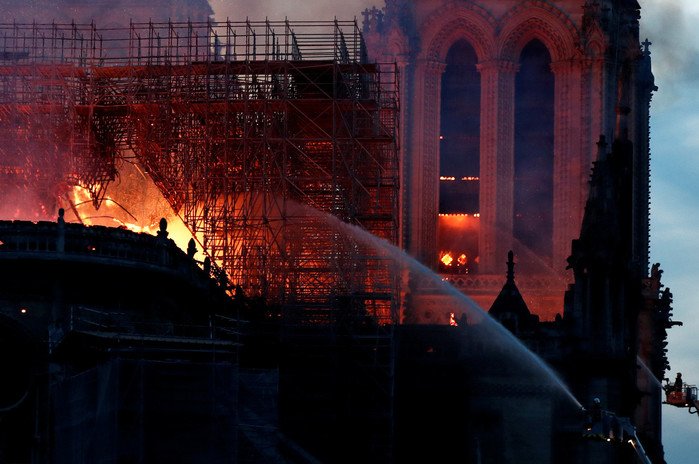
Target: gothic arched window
{"type": "Point", "coordinates": [533, 157]}
{"type": "Point", "coordinates": [459, 159]}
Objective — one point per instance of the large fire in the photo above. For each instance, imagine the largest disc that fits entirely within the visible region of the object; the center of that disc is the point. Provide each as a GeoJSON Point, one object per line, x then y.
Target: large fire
{"type": "Point", "coordinates": [133, 202]}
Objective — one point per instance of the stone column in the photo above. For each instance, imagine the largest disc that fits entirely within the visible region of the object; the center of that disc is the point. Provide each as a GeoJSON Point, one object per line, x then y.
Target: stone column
{"type": "Point", "coordinates": [595, 69]}
{"type": "Point", "coordinates": [423, 189]}
{"type": "Point", "coordinates": [496, 163]}
{"type": "Point", "coordinates": [592, 75]}
{"type": "Point", "coordinates": [568, 166]}
{"type": "Point", "coordinates": [404, 109]}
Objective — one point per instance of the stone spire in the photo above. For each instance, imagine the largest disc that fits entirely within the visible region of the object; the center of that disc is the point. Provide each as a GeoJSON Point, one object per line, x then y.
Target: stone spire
{"type": "Point", "coordinates": [509, 308]}
{"type": "Point", "coordinates": [510, 267]}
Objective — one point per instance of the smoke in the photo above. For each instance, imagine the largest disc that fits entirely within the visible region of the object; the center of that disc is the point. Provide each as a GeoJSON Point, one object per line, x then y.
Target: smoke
{"type": "Point", "coordinates": [105, 13]}
{"type": "Point", "coordinates": [294, 10]}
{"type": "Point", "coordinates": [25, 204]}
{"type": "Point", "coordinates": [669, 25]}
{"type": "Point", "coordinates": [120, 11]}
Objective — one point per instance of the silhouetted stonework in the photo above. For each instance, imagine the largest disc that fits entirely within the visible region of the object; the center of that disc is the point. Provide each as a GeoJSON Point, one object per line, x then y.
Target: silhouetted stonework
{"type": "Point", "coordinates": [616, 313]}
{"type": "Point", "coordinates": [103, 329]}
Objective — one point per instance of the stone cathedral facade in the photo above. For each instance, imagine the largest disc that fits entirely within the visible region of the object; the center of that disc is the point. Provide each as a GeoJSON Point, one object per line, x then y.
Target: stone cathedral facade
{"type": "Point", "coordinates": [502, 103]}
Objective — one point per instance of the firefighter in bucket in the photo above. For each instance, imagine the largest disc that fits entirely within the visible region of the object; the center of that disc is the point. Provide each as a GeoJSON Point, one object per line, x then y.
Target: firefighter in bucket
{"type": "Point", "coordinates": [680, 394]}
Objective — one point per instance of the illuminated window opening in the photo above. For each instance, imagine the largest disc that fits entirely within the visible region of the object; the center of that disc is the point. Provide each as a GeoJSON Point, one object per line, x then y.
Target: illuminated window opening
{"type": "Point", "coordinates": [459, 162]}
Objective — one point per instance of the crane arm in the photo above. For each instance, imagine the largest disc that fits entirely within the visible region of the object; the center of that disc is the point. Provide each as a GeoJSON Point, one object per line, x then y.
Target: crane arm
{"type": "Point", "coordinates": [607, 426]}
{"type": "Point", "coordinates": [638, 447]}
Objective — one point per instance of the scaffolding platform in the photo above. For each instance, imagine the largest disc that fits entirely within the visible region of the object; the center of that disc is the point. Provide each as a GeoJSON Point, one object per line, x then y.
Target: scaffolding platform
{"type": "Point", "coordinates": [275, 142]}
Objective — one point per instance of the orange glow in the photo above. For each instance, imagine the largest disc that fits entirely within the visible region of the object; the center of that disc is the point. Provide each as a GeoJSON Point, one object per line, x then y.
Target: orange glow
{"type": "Point", "coordinates": [457, 236]}
{"type": "Point", "coordinates": [80, 195]}
{"type": "Point", "coordinates": [452, 320]}
{"type": "Point", "coordinates": [446, 258]}
{"type": "Point", "coordinates": [465, 178]}
{"type": "Point", "coordinates": [476, 215]}
{"type": "Point", "coordinates": [133, 203]}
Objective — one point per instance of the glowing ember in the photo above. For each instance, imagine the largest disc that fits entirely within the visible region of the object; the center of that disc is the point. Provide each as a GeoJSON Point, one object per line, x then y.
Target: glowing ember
{"type": "Point", "coordinates": [449, 265]}
{"type": "Point", "coordinates": [447, 259]}
{"type": "Point", "coordinates": [452, 320]}
{"type": "Point", "coordinates": [465, 178]}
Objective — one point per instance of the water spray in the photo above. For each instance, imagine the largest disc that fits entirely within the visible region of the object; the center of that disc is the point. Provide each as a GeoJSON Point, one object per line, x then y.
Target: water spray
{"type": "Point", "coordinates": [401, 258]}
{"type": "Point", "coordinates": [606, 426]}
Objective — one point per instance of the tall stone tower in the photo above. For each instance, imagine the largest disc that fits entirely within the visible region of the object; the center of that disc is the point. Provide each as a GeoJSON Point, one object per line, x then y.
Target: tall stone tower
{"type": "Point", "coordinates": [502, 104]}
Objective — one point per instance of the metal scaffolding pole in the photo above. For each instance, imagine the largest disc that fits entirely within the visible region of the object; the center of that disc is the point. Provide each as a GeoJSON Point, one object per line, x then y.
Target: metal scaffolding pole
{"type": "Point", "coordinates": [260, 135]}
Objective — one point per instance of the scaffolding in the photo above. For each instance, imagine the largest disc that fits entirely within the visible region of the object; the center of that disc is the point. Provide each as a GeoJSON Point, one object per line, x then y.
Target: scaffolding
{"type": "Point", "coordinates": [260, 135]}
{"type": "Point", "coordinates": [231, 120]}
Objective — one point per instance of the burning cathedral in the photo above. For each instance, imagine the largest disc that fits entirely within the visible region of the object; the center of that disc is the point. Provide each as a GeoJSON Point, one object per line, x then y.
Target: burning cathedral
{"type": "Point", "coordinates": [424, 236]}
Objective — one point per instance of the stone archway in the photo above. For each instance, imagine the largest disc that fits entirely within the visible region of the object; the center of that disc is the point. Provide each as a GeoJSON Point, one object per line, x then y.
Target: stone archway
{"type": "Point", "coordinates": [540, 21]}
{"type": "Point", "coordinates": [453, 23]}
{"type": "Point", "coordinates": [537, 19]}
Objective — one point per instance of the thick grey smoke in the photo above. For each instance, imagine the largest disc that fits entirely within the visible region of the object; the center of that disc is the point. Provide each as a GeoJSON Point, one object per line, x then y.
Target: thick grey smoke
{"type": "Point", "coordinates": [670, 25]}
{"type": "Point", "coordinates": [294, 10]}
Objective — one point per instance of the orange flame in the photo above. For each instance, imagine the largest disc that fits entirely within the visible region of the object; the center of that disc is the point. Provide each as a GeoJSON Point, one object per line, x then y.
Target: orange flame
{"type": "Point", "coordinates": [113, 213]}
{"type": "Point", "coordinates": [446, 258]}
